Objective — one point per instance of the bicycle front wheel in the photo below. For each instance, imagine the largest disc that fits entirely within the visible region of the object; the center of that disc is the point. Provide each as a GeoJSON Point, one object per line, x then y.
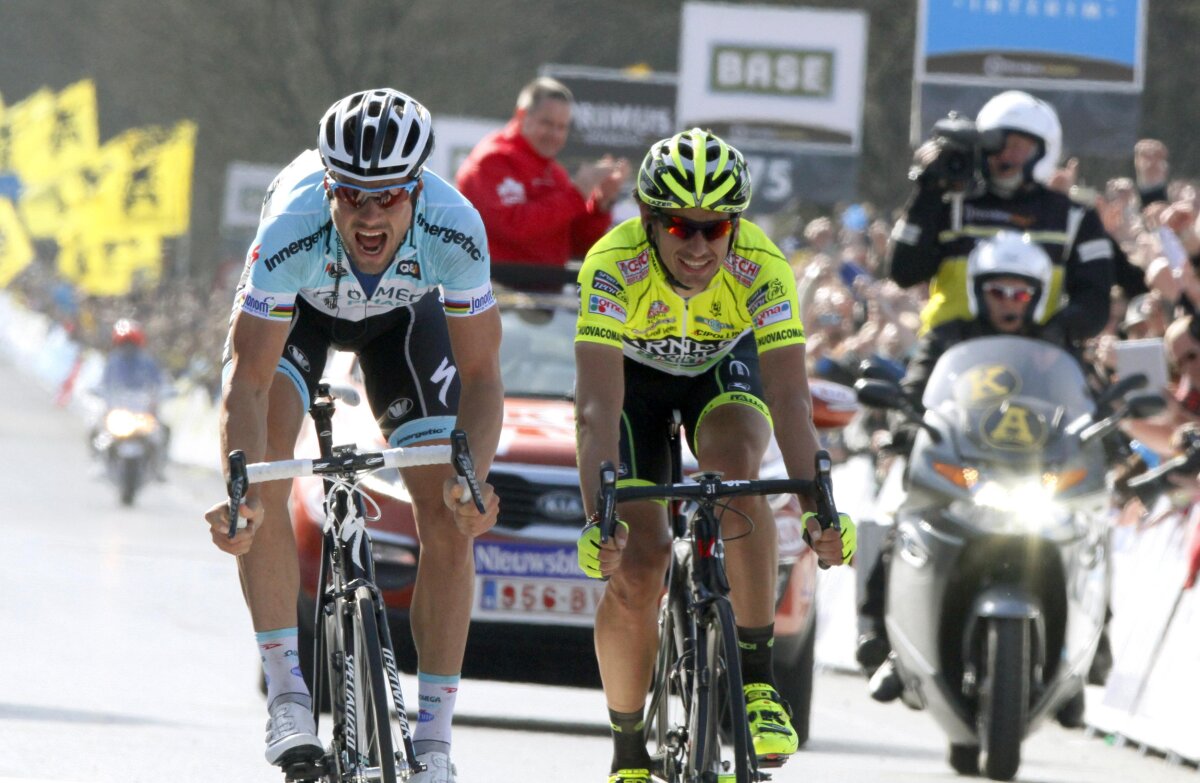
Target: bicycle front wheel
{"type": "Point", "coordinates": [718, 699]}
{"type": "Point", "coordinates": [666, 718]}
{"type": "Point", "coordinates": [372, 726]}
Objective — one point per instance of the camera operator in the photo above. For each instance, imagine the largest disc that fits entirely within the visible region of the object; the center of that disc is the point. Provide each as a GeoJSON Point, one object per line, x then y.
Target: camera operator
{"type": "Point", "coordinates": [976, 179]}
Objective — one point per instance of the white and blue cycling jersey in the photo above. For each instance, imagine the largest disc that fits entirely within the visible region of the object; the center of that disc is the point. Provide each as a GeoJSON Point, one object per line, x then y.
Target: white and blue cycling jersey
{"type": "Point", "coordinates": [297, 253]}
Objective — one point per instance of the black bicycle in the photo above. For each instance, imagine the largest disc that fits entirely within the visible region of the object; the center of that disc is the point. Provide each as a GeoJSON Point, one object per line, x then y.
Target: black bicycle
{"type": "Point", "coordinates": [696, 693]}
{"type": "Point", "coordinates": [353, 661]}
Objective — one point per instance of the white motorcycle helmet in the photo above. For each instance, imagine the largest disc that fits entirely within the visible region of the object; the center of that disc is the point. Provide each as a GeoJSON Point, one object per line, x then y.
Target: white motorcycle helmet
{"type": "Point", "coordinates": [1019, 111]}
{"type": "Point", "coordinates": [1009, 254]}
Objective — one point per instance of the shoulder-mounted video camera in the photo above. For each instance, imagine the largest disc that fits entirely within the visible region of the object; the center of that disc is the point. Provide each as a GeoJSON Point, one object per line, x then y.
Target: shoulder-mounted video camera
{"type": "Point", "coordinates": [961, 147]}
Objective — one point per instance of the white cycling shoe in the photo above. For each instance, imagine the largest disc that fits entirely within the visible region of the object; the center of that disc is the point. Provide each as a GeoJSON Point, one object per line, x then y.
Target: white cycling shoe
{"type": "Point", "coordinates": [292, 735]}
{"type": "Point", "coordinates": [438, 769]}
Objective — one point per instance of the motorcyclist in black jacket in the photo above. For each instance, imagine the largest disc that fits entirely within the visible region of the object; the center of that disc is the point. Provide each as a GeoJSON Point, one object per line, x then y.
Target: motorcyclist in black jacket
{"type": "Point", "coordinates": [990, 178]}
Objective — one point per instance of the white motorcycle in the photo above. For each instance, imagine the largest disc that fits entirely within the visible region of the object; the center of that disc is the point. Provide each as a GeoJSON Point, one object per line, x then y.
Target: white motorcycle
{"type": "Point", "coordinates": [997, 583]}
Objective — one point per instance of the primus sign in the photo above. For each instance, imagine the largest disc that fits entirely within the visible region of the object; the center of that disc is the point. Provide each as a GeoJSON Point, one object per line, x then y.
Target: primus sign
{"type": "Point", "coordinates": [783, 72]}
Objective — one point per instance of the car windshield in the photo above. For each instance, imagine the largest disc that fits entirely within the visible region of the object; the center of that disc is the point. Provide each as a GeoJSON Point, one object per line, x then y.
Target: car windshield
{"type": "Point", "coordinates": [537, 353]}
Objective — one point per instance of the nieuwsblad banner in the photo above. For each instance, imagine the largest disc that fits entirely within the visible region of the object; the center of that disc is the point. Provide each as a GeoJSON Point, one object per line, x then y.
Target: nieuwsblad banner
{"type": "Point", "coordinates": [1086, 57]}
{"type": "Point", "coordinates": [784, 85]}
{"type": "Point", "coordinates": [107, 207]}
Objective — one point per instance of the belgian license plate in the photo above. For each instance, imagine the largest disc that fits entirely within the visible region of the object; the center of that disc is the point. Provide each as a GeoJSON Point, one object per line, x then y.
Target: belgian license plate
{"type": "Point", "coordinates": [532, 582]}
{"type": "Point", "coordinates": [557, 601]}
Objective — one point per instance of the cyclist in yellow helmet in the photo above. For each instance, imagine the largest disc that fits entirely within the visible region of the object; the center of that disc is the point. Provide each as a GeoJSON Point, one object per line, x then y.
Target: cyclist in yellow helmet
{"type": "Point", "coordinates": [690, 307]}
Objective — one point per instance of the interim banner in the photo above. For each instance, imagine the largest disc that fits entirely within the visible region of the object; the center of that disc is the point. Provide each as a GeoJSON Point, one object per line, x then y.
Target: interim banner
{"type": "Point", "coordinates": [1077, 44]}
{"type": "Point", "coordinates": [1085, 57]}
{"type": "Point", "coordinates": [617, 112]}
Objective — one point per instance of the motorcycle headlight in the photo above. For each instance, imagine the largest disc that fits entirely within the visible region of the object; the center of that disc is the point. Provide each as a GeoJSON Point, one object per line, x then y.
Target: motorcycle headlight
{"type": "Point", "coordinates": [1021, 508]}
{"type": "Point", "coordinates": [123, 423]}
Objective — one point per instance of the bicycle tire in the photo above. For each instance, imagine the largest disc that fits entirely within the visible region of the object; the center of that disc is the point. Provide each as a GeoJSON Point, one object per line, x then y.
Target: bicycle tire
{"type": "Point", "coordinates": [375, 743]}
{"type": "Point", "coordinates": [717, 698]}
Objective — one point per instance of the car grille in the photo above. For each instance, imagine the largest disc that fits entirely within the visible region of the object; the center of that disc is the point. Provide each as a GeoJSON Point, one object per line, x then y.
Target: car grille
{"type": "Point", "coordinates": [525, 501]}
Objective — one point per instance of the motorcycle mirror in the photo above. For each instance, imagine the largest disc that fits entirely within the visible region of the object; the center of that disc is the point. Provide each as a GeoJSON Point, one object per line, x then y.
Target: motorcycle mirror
{"type": "Point", "coordinates": [1144, 405]}
{"type": "Point", "coordinates": [879, 393]}
{"type": "Point", "coordinates": [875, 371]}
{"type": "Point", "coordinates": [1119, 389]}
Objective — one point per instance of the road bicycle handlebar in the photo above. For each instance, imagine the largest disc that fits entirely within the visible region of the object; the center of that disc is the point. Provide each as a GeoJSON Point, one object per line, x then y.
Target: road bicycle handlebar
{"type": "Point", "coordinates": [241, 475]}
{"type": "Point", "coordinates": [819, 488]}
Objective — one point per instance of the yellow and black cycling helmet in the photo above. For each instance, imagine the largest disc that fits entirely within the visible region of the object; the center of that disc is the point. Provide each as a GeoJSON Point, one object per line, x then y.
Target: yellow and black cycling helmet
{"type": "Point", "coordinates": [694, 168]}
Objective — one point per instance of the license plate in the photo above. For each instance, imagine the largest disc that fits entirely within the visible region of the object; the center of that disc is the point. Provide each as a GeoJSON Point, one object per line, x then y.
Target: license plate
{"type": "Point", "coordinates": [130, 448]}
{"type": "Point", "coordinates": [546, 601]}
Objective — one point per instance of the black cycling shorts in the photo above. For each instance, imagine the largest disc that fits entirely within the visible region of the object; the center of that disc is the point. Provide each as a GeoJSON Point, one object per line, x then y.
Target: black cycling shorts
{"type": "Point", "coordinates": [406, 361]}
{"type": "Point", "coordinates": [652, 396]}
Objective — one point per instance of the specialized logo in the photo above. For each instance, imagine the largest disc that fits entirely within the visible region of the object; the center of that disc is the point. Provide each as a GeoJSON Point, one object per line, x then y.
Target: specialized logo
{"type": "Point", "coordinates": [298, 358]}
{"type": "Point", "coordinates": [986, 383]}
{"type": "Point", "coordinates": [410, 268]}
{"type": "Point", "coordinates": [253, 255]}
{"type": "Point", "coordinates": [605, 306]}
{"type": "Point", "coordinates": [444, 375]}
{"type": "Point", "coordinates": [399, 408]}
{"type": "Point", "coordinates": [451, 236]}
{"type": "Point", "coordinates": [302, 245]}
{"type": "Point", "coordinates": [510, 192]}
{"type": "Point", "coordinates": [635, 269]}
{"type": "Point", "coordinates": [773, 315]}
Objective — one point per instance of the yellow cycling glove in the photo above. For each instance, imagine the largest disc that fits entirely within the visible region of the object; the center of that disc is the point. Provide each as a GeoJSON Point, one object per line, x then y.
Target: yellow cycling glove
{"type": "Point", "coordinates": [849, 533]}
{"type": "Point", "coordinates": [588, 547]}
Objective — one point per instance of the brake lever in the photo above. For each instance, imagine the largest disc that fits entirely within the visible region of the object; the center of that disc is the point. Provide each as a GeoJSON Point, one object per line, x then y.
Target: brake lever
{"type": "Point", "coordinates": [464, 466]}
{"type": "Point", "coordinates": [606, 500]}
{"type": "Point", "coordinates": [827, 513]}
{"type": "Point", "coordinates": [236, 487]}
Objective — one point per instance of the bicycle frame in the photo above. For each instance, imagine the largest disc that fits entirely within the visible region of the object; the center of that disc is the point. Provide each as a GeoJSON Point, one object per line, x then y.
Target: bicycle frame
{"type": "Point", "coordinates": [698, 654]}
{"type": "Point", "coordinates": [347, 565]}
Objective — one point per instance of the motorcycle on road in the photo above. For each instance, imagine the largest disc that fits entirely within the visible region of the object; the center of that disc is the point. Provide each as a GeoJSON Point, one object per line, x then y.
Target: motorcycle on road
{"type": "Point", "coordinates": [131, 441]}
{"type": "Point", "coordinates": [997, 580]}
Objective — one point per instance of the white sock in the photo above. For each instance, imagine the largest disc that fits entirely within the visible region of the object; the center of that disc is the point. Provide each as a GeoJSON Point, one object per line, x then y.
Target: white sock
{"type": "Point", "coordinates": [436, 694]}
{"type": "Point", "coordinates": [280, 653]}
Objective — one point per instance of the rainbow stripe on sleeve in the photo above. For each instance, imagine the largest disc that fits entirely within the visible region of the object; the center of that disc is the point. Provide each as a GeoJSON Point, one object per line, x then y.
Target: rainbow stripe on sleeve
{"type": "Point", "coordinates": [457, 306]}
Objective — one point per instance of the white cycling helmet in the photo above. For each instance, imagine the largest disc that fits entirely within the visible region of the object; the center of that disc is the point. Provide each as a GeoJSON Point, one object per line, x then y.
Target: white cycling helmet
{"type": "Point", "coordinates": [1019, 111]}
{"type": "Point", "coordinates": [1009, 254]}
{"type": "Point", "coordinates": [376, 135]}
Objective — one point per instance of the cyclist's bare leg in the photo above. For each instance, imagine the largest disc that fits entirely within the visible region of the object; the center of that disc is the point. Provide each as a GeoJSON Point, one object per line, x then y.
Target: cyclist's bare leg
{"type": "Point", "coordinates": [627, 617]}
{"type": "Point", "coordinates": [732, 439]}
{"type": "Point", "coordinates": [270, 572]}
{"type": "Point", "coordinates": [441, 606]}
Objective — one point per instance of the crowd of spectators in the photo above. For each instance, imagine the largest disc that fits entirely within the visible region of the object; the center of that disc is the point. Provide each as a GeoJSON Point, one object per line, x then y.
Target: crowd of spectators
{"type": "Point", "coordinates": [852, 310]}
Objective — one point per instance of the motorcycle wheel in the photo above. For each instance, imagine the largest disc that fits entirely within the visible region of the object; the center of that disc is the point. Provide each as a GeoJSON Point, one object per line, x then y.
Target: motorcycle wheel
{"type": "Point", "coordinates": [1004, 697]}
{"type": "Point", "coordinates": [964, 759]}
{"type": "Point", "coordinates": [129, 474]}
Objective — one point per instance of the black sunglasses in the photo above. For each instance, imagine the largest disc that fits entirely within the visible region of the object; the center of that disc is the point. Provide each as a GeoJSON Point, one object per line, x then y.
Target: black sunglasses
{"type": "Point", "coordinates": [682, 228]}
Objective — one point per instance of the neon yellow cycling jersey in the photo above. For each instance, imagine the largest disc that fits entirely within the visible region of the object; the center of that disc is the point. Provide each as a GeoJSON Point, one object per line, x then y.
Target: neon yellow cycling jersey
{"type": "Point", "coordinates": [626, 302]}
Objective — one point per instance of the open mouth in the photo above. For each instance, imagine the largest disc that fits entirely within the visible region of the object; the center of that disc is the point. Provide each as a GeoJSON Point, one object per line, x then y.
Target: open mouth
{"type": "Point", "coordinates": [370, 243]}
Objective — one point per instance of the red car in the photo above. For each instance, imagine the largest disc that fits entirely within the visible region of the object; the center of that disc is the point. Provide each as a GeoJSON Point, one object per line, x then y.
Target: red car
{"type": "Point", "coordinates": [533, 607]}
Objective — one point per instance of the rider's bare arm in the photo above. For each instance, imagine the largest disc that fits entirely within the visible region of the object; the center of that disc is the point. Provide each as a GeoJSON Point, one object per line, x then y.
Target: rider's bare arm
{"type": "Point", "coordinates": [599, 394]}
{"type": "Point", "coordinates": [476, 344]}
{"type": "Point", "coordinates": [257, 345]}
{"type": "Point", "coordinates": [785, 386]}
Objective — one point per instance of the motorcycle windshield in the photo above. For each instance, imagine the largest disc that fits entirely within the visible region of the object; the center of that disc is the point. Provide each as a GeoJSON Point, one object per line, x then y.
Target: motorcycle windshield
{"type": "Point", "coordinates": [1008, 397]}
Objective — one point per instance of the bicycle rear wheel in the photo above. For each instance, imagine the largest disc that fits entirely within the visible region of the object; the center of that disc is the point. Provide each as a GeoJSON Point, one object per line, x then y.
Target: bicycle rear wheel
{"type": "Point", "coordinates": [666, 717]}
{"type": "Point", "coordinates": [372, 720]}
{"type": "Point", "coordinates": [718, 699]}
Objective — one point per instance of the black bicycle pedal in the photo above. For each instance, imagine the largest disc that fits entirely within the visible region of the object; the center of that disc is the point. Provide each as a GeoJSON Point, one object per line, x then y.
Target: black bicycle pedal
{"type": "Point", "coordinates": [304, 769]}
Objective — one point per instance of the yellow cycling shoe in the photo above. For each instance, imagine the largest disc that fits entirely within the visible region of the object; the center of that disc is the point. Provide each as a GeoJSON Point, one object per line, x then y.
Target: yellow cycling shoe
{"type": "Point", "coordinates": [630, 776]}
{"type": "Point", "coordinates": [770, 725]}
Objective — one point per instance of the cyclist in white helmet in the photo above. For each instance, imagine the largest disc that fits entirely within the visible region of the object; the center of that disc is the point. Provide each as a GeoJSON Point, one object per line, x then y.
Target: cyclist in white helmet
{"type": "Point", "coordinates": [355, 245]}
{"type": "Point", "coordinates": [967, 191]}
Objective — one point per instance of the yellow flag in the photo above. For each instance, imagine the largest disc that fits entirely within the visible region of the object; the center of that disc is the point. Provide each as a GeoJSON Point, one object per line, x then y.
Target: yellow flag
{"type": "Point", "coordinates": [111, 266]}
{"type": "Point", "coordinates": [16, 251]}
{"type": "Point", "coordinates": [25, 138]}
{"type": "Point", "coordinates": [75, 135]}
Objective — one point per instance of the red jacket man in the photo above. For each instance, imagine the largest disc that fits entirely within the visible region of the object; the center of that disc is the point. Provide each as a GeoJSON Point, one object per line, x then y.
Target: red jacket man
{"type": "Point", "coordinates": [533, 211]}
